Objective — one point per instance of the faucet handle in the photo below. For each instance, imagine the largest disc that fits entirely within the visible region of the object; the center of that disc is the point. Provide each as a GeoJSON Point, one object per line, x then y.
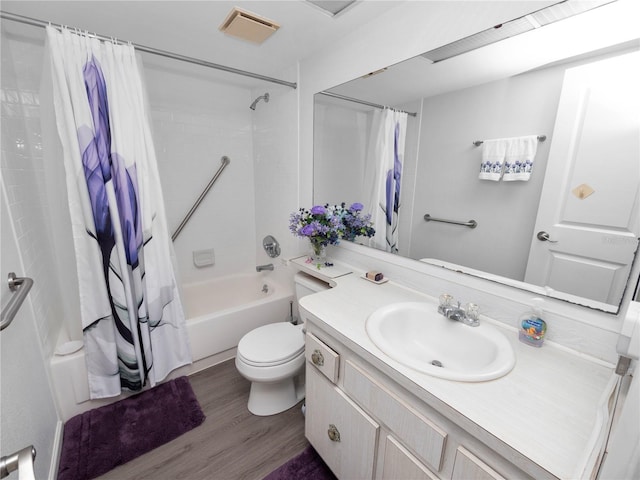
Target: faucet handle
{"type": "Point", "coordinates": [445, 300]}
{"type": "Point", "coordinates": [473, 311]}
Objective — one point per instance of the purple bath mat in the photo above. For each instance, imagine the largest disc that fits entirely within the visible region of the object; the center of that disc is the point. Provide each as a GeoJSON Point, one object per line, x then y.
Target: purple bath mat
{"type": "Point", "coordinates": [306, 466]}
{"type": "Point", "coordinates": [99, 440]}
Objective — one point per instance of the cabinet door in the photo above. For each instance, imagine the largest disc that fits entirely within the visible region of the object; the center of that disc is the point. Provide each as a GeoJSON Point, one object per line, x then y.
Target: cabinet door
{"type": "Point", "coordinates": [399, 463]}
{"type": "Point", "coordinates": [469, 467]}
{"type": "Point", "coordinates": [343, 435]}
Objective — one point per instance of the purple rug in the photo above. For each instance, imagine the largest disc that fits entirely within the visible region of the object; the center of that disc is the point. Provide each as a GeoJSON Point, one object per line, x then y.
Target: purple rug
{"type": "Point", "coordinates": [306, 466]}
{"type": "Point", "coordinates": [99, 440]}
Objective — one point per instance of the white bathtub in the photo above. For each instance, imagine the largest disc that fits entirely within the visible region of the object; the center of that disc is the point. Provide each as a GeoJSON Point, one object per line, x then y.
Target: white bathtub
{"type": "Point", "coordinates": [219, 312]}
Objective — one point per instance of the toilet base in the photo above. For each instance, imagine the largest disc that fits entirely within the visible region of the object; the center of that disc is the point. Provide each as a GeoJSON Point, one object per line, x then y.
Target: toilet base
{"type": "Point", "coordinates": [274, 397]}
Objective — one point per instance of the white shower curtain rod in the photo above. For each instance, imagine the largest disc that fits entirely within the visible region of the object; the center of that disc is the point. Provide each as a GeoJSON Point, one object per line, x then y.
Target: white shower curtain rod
{"type": "Point", "coordinates": [154, 51]}
{"type": "Point", "coordinates": [363, 102]}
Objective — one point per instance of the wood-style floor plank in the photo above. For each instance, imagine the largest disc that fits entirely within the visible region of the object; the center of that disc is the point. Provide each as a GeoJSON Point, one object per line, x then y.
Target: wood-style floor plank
{"type": "Point", "coordinates": [231, 444]}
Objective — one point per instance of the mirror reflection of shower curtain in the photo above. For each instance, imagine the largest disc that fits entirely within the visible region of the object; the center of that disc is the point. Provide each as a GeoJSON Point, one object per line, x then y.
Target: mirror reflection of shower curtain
{"type": "Point", "coordinates": [132, 318]}
{"type": "Point", "coordinates": [383, 176]}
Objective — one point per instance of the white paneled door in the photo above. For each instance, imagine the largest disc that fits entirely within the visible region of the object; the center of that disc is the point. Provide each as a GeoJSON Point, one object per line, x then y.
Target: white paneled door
{"type": "Point", "coordinates": [588, 221]}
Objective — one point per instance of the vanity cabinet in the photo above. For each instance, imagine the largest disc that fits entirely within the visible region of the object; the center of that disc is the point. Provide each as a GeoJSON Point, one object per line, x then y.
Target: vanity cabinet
{"type": "Point", "coordinates": [365, 426]}
{"type": "Point", "coordinates": [340, 431]}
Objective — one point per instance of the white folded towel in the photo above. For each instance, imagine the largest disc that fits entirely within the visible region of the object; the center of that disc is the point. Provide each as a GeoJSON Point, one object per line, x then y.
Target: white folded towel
{"type": "Point", "coordinates": [493, 156]}
{"type": "Point", "coordinates": [521, 152]}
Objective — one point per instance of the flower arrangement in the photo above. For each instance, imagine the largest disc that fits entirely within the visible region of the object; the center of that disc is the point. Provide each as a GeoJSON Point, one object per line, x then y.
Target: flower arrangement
{"type": "Point", "coordinates": [325, 225]}
{"type": "Point", "coordinates": [354, 224]}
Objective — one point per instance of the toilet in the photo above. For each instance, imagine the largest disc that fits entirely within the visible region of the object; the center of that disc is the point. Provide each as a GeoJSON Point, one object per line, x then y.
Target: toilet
{"type": "Point", "coordinates": [272, 358]}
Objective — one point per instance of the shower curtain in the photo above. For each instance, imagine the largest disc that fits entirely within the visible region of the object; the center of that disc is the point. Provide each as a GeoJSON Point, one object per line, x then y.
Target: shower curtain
{"type": "Point", "coordinates": [383, 176]}
{"type": "Point", "coordinates": [132, 317]}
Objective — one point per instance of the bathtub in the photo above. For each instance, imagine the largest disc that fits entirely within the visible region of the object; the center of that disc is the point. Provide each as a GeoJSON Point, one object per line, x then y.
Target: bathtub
{"type": "Point", "coordinates": [221, 311]}
{"type": "Point", "coordinates": [218, 313]}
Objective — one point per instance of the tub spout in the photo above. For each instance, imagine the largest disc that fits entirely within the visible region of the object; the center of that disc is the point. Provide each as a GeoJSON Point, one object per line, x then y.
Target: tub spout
{"type": "Point", "coordinates": [260, 268]}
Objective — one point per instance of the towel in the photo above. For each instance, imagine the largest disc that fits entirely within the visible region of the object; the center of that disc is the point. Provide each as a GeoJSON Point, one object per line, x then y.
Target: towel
{"type": "Point", "coordinates": [521, 152]}
{"type": "Point", "coordinates": [493, 157]}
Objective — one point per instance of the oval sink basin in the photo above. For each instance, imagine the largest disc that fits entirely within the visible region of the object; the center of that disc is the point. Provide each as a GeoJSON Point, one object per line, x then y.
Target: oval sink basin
{"type": "Point", "coordinates": [417, 336]}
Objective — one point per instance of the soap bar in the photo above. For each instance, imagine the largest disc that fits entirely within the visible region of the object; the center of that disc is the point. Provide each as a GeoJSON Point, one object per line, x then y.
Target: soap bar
{"type": "Point", "coordinates": [375, 276]}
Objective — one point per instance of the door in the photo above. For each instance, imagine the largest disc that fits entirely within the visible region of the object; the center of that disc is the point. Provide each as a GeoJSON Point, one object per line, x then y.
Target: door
{"type": "Point", "coordinates": [587, 226]}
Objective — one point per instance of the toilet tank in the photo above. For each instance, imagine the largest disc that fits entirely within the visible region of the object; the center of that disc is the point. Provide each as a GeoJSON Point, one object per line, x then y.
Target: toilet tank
{"type": "Point", "coordinates": [306, 285]}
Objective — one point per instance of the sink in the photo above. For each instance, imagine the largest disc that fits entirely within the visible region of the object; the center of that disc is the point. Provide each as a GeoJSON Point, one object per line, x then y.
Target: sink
{"type": "Point", "coordinates": [417, 336]}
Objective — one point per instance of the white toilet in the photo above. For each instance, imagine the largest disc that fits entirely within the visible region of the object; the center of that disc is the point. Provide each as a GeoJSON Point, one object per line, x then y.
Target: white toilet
{"type": "Point", "coordinates": [271, 357]}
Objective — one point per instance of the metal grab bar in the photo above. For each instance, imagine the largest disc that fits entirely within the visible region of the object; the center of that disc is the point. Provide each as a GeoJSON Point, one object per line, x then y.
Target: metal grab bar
{"type": "Point", "coordinates": [20, 286]}
{"type": "Point", "coordinates": [470, 223]}
{"type": "Point", "coordinates": [22, 459]}
{"type": "Point", "coordinates": [224, 161]}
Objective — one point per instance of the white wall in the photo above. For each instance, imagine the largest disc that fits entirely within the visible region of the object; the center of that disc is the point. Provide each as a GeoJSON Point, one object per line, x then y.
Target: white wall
{"type": "Point", "coordinates": [275, 151]}
{"type": "Point", "coordinates": [341, 136]}
{"type": "Point", "coordinates": [449, 165]}
{"type": "Point", "coordinates": [198, 118]}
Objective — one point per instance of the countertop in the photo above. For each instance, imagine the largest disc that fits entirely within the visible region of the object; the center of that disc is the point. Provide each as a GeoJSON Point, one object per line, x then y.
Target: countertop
{"type": "Point", "coordinates": [551, 408]}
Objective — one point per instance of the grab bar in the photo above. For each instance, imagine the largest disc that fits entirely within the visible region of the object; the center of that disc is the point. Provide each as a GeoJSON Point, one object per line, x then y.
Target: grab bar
{"type": "Point", "coordinates": [224, 161]}
{"type": "Point", "coordinates": [21, 460]}
{"type": "Point", "coordinates": [20, 286]}
{"type": "Point", "coordinates": [470, 223]}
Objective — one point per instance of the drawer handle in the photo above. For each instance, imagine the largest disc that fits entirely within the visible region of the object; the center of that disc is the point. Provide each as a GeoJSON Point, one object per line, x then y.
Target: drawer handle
{"type": "Point", "coordinates": [317, 358]}
{"type": "Point", "coordinates": [334, 434]}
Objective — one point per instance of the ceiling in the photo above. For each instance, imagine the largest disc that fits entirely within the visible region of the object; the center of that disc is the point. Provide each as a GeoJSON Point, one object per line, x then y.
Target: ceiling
{"type": "Point", "coordinates": [190, 28]}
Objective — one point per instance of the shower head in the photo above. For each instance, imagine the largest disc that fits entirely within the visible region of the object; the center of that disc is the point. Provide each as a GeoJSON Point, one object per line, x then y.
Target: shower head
{"type": "Point", "coordinates": [264, 97]}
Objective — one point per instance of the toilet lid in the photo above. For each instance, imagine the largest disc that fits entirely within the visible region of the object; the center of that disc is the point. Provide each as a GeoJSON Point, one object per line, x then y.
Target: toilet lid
{"type": "Point", "coordinates": [271, 344]}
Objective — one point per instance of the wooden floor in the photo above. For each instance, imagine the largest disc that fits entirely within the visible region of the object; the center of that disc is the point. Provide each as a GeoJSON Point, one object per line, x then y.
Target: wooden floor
{"type": "Point", "coordinates": [231, 443]}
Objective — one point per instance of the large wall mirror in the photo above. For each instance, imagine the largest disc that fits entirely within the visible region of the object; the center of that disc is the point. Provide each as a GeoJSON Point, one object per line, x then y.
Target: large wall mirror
{"type": "Point", "coordinates": [570, 231]}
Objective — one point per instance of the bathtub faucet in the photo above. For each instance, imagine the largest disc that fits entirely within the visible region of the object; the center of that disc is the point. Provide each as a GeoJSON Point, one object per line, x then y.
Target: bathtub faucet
{"type": "Point", "coordinates": [260, 268]}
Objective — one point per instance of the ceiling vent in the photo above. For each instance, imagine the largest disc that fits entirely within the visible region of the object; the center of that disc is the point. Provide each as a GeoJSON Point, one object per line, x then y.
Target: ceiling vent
{"type": "Point", "coordinates": [332, 7]}
{"type": "Point", "coordinates": [537, 19]}
{"type": "Point", "coordinates": [248, 26]}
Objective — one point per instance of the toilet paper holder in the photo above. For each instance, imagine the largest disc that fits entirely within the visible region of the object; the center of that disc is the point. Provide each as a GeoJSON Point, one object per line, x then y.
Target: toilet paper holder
{"type": "Point", "coordinates": [21, 460]}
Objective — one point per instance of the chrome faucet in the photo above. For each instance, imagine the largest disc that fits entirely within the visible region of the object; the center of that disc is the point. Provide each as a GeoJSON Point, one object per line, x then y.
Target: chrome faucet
{"type": "Point", "coordinates": [268, 266]}
{"type": "Point", "coordinates": [468, 315]}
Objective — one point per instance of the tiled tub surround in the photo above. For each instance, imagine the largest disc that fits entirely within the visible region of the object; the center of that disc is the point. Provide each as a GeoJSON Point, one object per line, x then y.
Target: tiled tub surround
{"type": "Point", "coordinates": [547, 416]}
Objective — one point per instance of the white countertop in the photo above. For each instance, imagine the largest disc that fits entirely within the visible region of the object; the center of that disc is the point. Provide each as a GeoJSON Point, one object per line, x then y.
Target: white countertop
{"type": "Point", "coordinates": [549, 408]}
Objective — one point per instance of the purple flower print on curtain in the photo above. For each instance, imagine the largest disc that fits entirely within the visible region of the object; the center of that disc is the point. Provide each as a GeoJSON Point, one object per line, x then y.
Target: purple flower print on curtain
{"type": "Point", "coordinates": [96, 160]}
{"type": "Point", "coordinates": [393, 181]}
{"type": "Point", "coordinates": [101, 166]}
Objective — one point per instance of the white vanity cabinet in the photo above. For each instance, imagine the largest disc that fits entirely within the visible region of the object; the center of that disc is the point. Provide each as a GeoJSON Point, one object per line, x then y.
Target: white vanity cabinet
{"type": "Point", "coordinates": [365, 426]}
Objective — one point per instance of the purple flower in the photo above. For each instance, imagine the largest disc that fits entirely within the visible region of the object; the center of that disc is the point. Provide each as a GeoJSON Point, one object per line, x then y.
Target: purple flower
{"type": "Point", "coordinates": [318, 210]}
{"type": "Point", "coordinates": [355, 207]}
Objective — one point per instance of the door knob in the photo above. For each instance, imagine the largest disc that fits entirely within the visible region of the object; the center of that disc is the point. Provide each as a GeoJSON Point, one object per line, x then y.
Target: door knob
{"type": "Point", "coordinates": [544, 237]}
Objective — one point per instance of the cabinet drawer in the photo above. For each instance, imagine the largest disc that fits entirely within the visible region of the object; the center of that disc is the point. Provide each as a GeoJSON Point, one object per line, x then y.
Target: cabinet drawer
{"type": "Point", "coordinates": [469, 467]}
{"type": "Point", "coordinates": [322, 357]}
{"type": "Point", "coordinates": [342, 434]}
{"type": "Point", "coordinates": [399, 463]}
{"type": "Point", "coordinates": [424, 438]}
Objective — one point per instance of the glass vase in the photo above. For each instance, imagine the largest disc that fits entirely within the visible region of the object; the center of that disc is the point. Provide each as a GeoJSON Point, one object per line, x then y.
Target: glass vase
{"type": "Point", "coordinates": [318, 254]}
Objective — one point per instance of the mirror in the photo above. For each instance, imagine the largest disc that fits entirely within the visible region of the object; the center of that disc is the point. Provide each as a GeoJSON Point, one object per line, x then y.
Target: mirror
{"type": "Point", "coordinates": [508, 89]}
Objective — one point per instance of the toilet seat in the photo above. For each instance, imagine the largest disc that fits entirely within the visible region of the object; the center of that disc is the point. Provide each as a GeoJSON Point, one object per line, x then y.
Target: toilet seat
{"type": "Point", "coordinates": [271, 345]}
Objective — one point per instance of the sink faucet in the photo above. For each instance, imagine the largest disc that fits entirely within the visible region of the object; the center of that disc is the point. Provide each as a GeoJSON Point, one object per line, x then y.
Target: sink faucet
{"type": "Point", "coordinates": [268, 266]}
{"type": "Point", "coordinates": [468, 316]}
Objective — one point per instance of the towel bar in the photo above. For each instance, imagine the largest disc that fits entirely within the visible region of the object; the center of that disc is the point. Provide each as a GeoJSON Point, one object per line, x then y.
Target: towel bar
{"type": "Point", "coordinates": [470, 223]}
{"type": "Point", "coordinates": [477, 143]}
{"type": "Point", "coordinates": [20, 286]}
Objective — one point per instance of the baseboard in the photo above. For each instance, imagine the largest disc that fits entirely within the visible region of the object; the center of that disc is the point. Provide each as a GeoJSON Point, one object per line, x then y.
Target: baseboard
{"type": "Point", "coordinates": [56, 450]}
